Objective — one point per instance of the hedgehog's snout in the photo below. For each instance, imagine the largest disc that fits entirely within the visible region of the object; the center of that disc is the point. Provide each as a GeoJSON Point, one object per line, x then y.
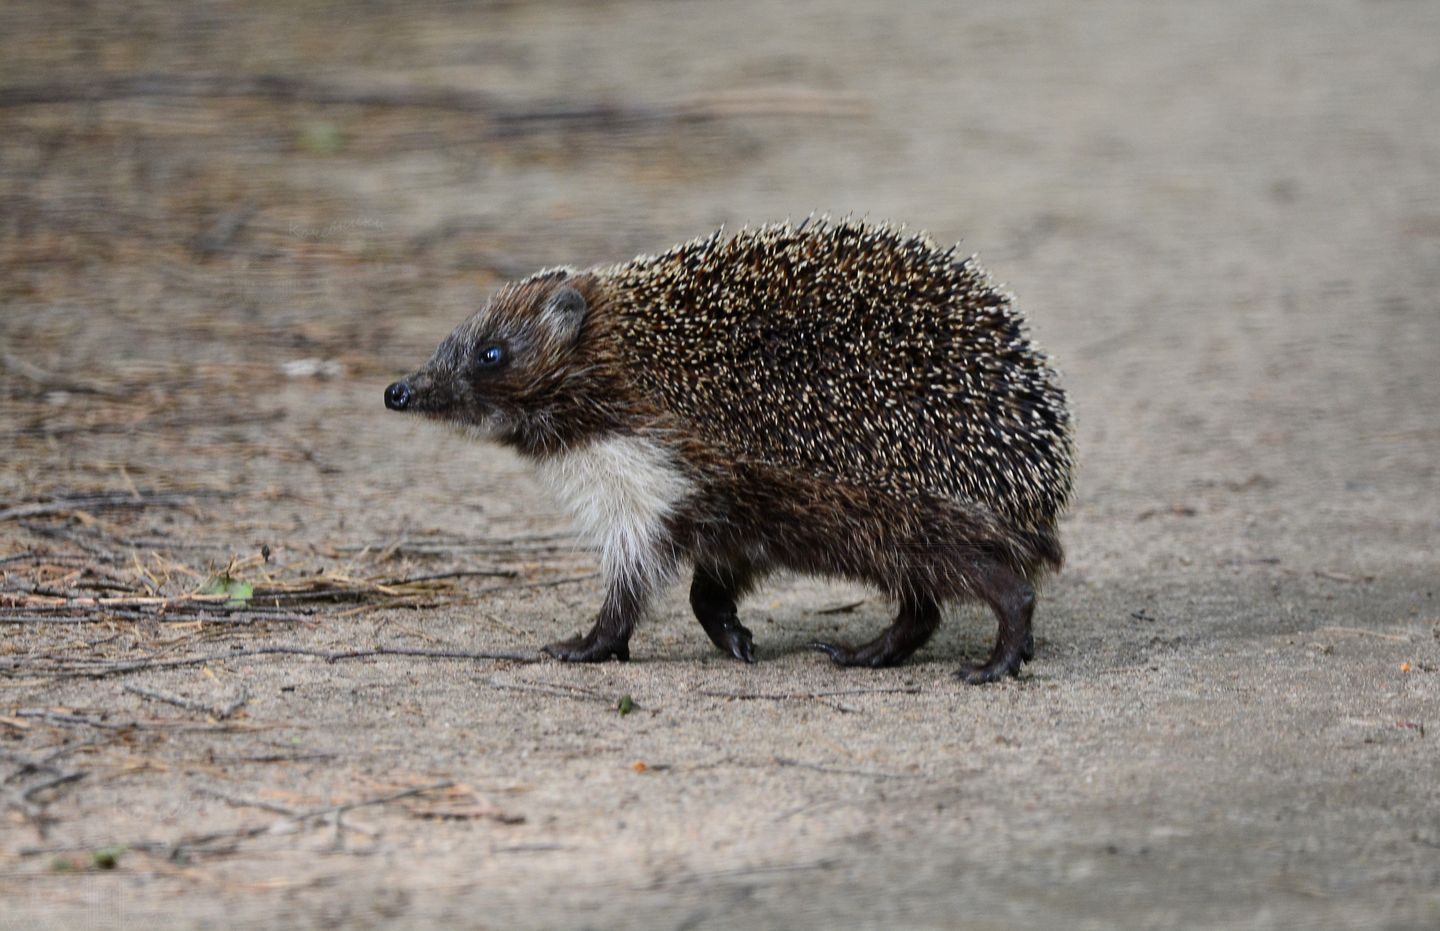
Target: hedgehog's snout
{"type": "Point", "coordinates": [398, 396]}
{"type": "Point", "coordinates": [424, 392]}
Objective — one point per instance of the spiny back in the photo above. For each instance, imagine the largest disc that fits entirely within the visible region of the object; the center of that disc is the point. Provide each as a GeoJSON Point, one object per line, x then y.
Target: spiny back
{"type": "Point", "coordinates": [852, 351]}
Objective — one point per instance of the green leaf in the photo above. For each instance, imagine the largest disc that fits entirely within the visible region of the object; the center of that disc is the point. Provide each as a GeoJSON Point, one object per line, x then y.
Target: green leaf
{"type": "Point", "coordinates": [626, 705]}
{"type": "Point", "coordinates": [107, 858]}
{"type": "Point", "coordinates": [239, 592]}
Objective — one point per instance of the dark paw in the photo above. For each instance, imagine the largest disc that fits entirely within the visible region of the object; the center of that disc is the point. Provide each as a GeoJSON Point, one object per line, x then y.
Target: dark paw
{"type": "Point", "coordinates": [734, 638]}
{"type": "Point", "coordinates": [998, 666]}
{"type": "Point", "coordinates": [589, 648]}
{"type": "Point", "coordinates": [872, 654]}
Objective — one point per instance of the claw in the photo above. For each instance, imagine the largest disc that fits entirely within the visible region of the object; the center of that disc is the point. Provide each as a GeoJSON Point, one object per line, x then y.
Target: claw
{"type": "Point", "coordinates": [734, 638]}
{"type": "Point", "coordinates": [997, 667]}
{"type": "Point", "coordinates": [588, 649]}
{"type": "Point", "coordinates": [872, 654]}
{"type": "Point", "coordinates": [740, 644]}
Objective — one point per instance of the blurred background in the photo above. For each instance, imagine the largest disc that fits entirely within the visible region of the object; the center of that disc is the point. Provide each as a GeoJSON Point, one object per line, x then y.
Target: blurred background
{"type": "Point", "coordinates": [1221, 218]}
{"type": "Point", "coordinates": [224, 227]}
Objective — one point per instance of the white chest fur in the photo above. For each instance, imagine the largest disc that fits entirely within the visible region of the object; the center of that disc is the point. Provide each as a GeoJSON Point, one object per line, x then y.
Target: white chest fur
{"type": "Point", "coordinates": [620, 490]}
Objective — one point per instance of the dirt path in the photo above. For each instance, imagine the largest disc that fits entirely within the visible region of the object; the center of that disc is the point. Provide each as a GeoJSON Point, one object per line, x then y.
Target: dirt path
{"type": "Point", "coordinates": [1221, 220]}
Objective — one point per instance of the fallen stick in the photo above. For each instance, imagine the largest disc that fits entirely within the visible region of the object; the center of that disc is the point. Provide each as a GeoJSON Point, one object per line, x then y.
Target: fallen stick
{"type": "Point", "coordinates": [109, 615]}
{"type": "Point", "coordinates": [51, 783]}
{"type": "Point", "coordinates": [61, 717]}
{"type": "Point", "coordinates": [23, 599]}
{"type": "Point", "coordinates": [788, 696]}
{"type": "Point", "coordinates": [104, 500]}
{"type": "Point", "coordinates": [219, 713]}
{"type": "Point", "coordinates": [92, 670]}
{"type": "Point", "coordinates": [175, 850]}
{"type": "Point", "coordinates": [464, 574]}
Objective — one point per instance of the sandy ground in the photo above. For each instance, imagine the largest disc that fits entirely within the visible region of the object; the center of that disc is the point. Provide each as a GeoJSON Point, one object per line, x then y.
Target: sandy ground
{"type": "Point", "coordinates": [1222, 220]}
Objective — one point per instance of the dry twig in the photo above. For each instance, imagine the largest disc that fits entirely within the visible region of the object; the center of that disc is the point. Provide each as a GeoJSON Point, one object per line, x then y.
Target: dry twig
{"type": "Point", "coordinates": [105, 500]}
{"type": "Point", "coordinates": [219, 713]}
{"type": "Point", "coordinates": [199, 843]}
{"type": "Point", "coordinates": [99, 669]}
{"type": "Point", "coordinates": [65, 717]}
{"type": "Point", "coordinates": [789, 696]}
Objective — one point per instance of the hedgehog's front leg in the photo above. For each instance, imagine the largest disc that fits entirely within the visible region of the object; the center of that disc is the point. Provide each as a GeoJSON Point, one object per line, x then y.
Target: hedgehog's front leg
{"type": "Point", "coordinates": [625, 601]}
{"type": "Point", "coordinates": [712, 596]}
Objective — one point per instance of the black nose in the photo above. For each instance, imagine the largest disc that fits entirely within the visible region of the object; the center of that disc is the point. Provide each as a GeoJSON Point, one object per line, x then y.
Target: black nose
{"type": "Point", "coordinates": [397, 396]}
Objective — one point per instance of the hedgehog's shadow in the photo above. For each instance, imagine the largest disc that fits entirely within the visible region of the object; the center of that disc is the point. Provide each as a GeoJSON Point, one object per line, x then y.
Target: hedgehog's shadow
{"type": "Point", "coordinates": [965, 633]}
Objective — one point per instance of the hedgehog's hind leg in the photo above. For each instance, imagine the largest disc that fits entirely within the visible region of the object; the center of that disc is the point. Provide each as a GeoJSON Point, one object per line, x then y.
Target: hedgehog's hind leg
{"type": "Point", "coordinates": [1012, 599]}
{"type": "Point", "coordinates": [713, 595]}
{"type": "Point", "coordinates": [917, 619]}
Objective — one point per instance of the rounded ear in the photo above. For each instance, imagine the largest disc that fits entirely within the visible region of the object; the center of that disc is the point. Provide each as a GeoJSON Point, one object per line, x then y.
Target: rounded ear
{"type": "Point", "coordinates": [565, 311]}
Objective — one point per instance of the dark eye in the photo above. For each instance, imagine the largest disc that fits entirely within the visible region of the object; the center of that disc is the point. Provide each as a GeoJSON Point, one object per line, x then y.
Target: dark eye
{"type": "Point", "coordinates": [491, 356]}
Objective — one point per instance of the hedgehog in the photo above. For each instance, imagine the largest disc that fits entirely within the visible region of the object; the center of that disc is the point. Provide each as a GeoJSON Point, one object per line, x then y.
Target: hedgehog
{"type": "Point", "coordinates": [830, 398]}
